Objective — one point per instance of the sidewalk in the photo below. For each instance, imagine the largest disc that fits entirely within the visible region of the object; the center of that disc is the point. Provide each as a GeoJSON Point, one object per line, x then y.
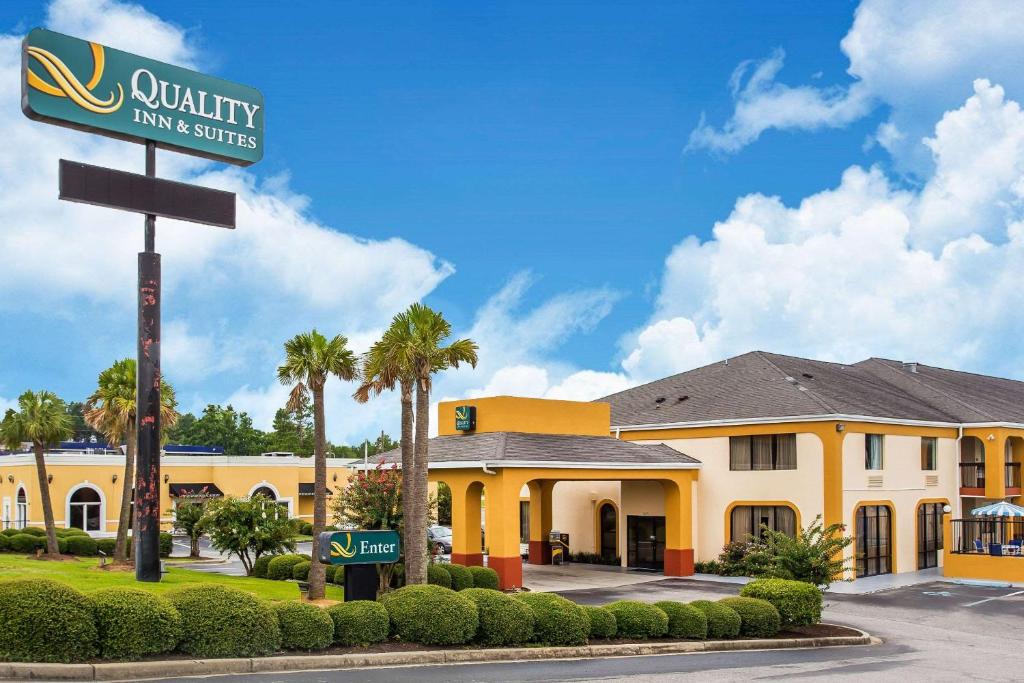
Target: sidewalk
{"type": "Point", "coordinates": [862, 586]}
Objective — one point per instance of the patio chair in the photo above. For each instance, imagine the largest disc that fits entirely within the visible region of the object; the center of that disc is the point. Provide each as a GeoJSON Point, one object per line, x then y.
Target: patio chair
{"type": "Point", "coordinates": [1016, 545]}
{"type": "Point", "coordinates": [978, 546]}
{"type": "Point", "coordinates": [995, 549]}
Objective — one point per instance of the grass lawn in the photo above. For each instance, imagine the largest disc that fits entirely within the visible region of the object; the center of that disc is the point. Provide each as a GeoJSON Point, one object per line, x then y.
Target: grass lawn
{"type": "Point", "coordinates": [85, 576]}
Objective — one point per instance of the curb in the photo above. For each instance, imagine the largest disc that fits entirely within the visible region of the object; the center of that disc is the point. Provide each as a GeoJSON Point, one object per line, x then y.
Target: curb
{"type": "Point", "coordinates": [131, 671]}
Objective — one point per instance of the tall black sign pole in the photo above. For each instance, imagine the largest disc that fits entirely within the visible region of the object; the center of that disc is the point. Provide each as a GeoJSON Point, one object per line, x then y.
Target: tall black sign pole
{"type": "Point", "coordinates": [147, 410]}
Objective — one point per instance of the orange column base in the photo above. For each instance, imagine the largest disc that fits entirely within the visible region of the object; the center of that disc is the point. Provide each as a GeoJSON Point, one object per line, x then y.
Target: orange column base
{"type": "Point", "coordinates": [510, 571]}
{"type": "Point", "coordinates": [468, 559]}
{"type": "Point", "coordinates": [540, 552]}
{"type": "Point", "coordinates": [678, 562]}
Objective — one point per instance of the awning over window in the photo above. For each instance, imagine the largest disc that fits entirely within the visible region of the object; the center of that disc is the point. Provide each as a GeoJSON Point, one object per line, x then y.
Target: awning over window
{"type": "Point", "coordinates": [307, 490]}
{"type": "Point", "coordinates": [202, 490]}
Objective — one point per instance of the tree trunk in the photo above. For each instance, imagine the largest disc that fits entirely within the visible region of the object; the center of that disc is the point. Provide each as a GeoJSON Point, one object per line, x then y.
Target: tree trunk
{"type": "Point", "coordinates": [418, 534]}
{"type": "Point", "coordinates": [316, 570]}
{"type": "Point", "coordinates": [414, 564]}
{"type": "Point", "coordinates": [193, 549]}
{"type": "Point", "coordinates": [52, 549]}
{"type": "Point", "coordinates": [128, 482]}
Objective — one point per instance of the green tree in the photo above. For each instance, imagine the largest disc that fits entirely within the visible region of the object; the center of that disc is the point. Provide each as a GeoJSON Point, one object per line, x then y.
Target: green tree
{"type": "Point", "coordinates": [80, 428]}
{"type": "Point", "coordinates": [189, 520]}
{"type": "Point", "coordinates": [221, 426]}
{"type": "Point", "coordinates": [111, 410]}
{"type": "Point", "coordinates": [815, 555]}
{"type": "Point", "coordinates": [293, 430]}
{"type": "Point", "coordinates": [444, 504]}
{"type": "Point", "coordinates": [42, 419]}
{"type": "Point", "coordinates": [248, 528]}
{"type": "Point", "coordinates": [310, 358]}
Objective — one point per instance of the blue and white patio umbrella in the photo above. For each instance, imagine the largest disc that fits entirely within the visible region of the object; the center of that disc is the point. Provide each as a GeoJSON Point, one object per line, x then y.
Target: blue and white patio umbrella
{"type": "Point", "coordinates": [1000, 509]}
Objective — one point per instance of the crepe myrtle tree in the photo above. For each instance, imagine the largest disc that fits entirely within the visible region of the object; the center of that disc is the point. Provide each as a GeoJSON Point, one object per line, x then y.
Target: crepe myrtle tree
{"type": "Point", "coordinates": [189, 519]}
{"type": "Point", "coordinates": [248, 528]}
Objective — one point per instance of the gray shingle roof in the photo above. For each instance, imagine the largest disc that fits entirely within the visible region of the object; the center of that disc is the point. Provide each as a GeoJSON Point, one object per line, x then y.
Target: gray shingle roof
{"type": "Point", "coordinates": [498, 448]}
{"type": "Point", "coordinates": [765, 385]}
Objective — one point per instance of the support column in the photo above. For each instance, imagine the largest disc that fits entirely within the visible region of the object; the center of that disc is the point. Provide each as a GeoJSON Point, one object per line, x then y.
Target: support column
{"type": "Point", "coordinates": [466, 548]}
{"type": "Point", "coordinates": [502, 521]}
{"type": "Point", "coordinates": [540, 520]}
{"type": "Point", "coordinates": [679, 524]}
{"type": "Point", "coordinates": [995, 464]}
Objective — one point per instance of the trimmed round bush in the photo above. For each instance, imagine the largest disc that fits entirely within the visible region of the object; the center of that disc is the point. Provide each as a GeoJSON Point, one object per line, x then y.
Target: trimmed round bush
{"type": "Point", "coordinates": [635, 619]}
{"type": "Point", "coordinates": [62, 545]}
{"type": "Point", "coordinates": [723, 622]}
{"type": "Point", "coordinates": [27, 543]}
{"type": "Point", "coordinates": [304, 626]}
{"type": "Point", "coordinates": [484, 577]}
{"type": "Point", "coordinates": [5, 543]}
{"type": "Point", "coordinates": [684, 621]}
{"type": "Point", "coordinates": [431, 615]}
{"type": "Point", "coordinates": [397, 575]}
{"type": "Point", "coordinates": [106, 546]}
{"type": "Point", "coordinates": [329, 571]}
{"type": "Point", "coordinates": [437, 575]}
{"type": "Point", "coordinates": [45, 621]}
{"type": "Point", "coordinates": [359, 622]}
{"type": "Point", "coordinates": [280, 568]}
{"type": "Point", "coordinates": [218, 621]}
{"type": "Point", "coordinates": [11, 531]}
{"type": "Point", "coordinates": [82, 546]}
{"type": "Point", "coordinates": [73, 531]}
{"type": "Point", "coordinates": [503, 619]}
{"type": "Point", "coordinates": [34, 531]}
{"type": "Point", "coordinates": [134, 623]}
{"type": "Point", "coordinates": [758, 618]}
{"type": "Point", "coordinates": [166, 544]}
{"type": "Point", "coordinates": [300, 572]}
{"type": "Point", "coordinates": [556, 621]}
{"type": "Point", "coordinates": [305, 529]}
{"type": "Point", "coordinates": [799, 603]}
{"type": "Point", "coordinates": [259, 567]}
{"type": "Point", "coordinates": [339, 576]}
{"type": "Point", "coordinates": [462, 578]}
{"type": "Point", "coordinates": [602, 622]}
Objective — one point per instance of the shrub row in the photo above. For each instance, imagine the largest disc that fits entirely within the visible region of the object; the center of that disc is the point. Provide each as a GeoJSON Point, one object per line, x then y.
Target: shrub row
{"type": "Point", "coordinates": [458, 577]}
{"type": "Point", "coordinates": [69, 542]}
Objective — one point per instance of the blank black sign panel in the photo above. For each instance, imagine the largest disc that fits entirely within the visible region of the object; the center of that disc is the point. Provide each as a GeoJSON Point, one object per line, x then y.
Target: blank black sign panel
{"type": "Point", "coordinates": [142, 194]}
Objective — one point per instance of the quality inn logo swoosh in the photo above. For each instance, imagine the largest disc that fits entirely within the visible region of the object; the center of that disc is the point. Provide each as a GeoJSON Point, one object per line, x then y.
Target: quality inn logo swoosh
{"type": "Point", "coordinates": [461, 413]}
{"type": "Point", "coordinates": [346, 551]}
{"type": "Point", "coordinates": [69, 86]}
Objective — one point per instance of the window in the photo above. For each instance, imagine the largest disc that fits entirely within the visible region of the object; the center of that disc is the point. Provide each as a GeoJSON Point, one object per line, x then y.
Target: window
{"type": "Point", "coordinates": [85, 507]}
{"type": "Point", "coordinates": [929, 534]}
{"type": "Point", "coordinates": [767, 452]}
{"type": "Point", "coordinates": [21, 510]}
{"type": "Point", "coordinates": [873, 457]}
{"type": "Point", "coordinates": [929, 453]}
{"type": "Point", "coordinates": [524, 521]}
{"type": "Point", "coordinates": [609, 532]}
{"type": "Point", "coordinates": [874, 540]}
{"type": "Point", "coordinates": [748, 520]}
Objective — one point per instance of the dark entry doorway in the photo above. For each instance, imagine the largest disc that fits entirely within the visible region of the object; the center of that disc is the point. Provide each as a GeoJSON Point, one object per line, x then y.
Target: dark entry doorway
{"type": "Point", "coordinates": [929, 534]}
{"type": "Point", "coordinates": [874, 540]}
{"type": "Point", "coordinates": [609, 522]}
{"type": "Point", "coordinates": [645, 542]}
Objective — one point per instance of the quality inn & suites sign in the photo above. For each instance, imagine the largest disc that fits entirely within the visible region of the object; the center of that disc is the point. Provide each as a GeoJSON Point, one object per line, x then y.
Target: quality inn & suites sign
{"type": "Point", "coordinates": [85, 85]}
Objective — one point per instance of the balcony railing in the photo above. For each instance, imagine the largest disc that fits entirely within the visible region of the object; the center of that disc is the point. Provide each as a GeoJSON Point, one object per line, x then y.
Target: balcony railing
{"type": "Point", "coordinates": [972, 475]}
{"type": "Point", "coordinates": [1013, 475]}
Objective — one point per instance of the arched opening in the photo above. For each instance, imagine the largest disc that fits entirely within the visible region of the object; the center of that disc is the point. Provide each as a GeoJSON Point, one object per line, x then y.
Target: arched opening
{"type": "Point", "coordinates": [874, 540]}
{"type": "Point", "coordinates": [929, 534]}
{"type": "Point", "coordinates": [264, 491]}
{"type": "Point", "coordinates": [85, 508]}
{"type": "Point", "coordinates": [1014, 455]}
{"type": "Point", "coordinates": [21, 509]}
{"type": "Point", "coordinates": [972, 465]}
{"type": "Point", "coordinates": [608, 527]}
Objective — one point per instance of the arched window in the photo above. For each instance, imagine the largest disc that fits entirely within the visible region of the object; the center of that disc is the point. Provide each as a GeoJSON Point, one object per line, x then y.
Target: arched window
{"type": "Point", "coordinates": [609, 532]}
{"type": "Point", "coordinates": [264, 491]}
{"type": "Point", "coordinates": [21, 511]}
{"type": "Point", "coordinates": [85, 509]}
{"type": "Point", "coordinates": [874, 540]}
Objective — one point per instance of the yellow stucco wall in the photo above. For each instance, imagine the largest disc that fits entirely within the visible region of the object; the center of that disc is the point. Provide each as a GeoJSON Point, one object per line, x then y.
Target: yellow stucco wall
{"type": "Point", "coordinates": [574, 505]}
{"type": "Point", "coordinates": [532, 415]}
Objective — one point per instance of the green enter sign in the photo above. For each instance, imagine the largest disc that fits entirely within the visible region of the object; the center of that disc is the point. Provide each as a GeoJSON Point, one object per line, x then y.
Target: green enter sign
{"type": "Point", "coordinates": [359, 547]}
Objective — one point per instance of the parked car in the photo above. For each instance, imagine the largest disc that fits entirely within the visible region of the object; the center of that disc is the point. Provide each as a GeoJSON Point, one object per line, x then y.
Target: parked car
{"type": "Point", "coordinates": [440, 536]}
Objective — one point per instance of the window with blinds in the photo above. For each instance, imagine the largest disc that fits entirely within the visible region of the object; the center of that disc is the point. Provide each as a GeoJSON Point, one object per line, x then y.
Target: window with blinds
{"type": "Point", "coordinates": [764, 452]}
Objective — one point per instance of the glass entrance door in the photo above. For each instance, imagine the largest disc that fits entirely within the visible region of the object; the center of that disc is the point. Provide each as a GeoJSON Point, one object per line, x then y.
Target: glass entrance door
{"type": "Point", "coordinates": [874, 545]}
{"type": "Point", "coordinates": [929, 534]}
{"type": "Point", "coordinates": [645, 542]}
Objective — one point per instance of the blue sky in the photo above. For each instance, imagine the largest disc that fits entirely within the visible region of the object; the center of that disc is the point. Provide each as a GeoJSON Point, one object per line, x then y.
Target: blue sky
{"type": "Point", "coordinates": [540, 172]}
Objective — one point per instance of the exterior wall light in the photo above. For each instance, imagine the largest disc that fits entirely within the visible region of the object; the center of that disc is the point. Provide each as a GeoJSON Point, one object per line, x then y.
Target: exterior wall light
{"type": "Point", "coordinates": [840, 427]}
{"type": "Point", "coordinates": [167, 478]}
{"type": "Point", "coordinates": [947, 508]}
{"type": "Point", "coordinates": [10, 478]}
{"type": "Point", "coordinates": [49, 478]}
{"type": "Point", "coordinates": [113, 479]}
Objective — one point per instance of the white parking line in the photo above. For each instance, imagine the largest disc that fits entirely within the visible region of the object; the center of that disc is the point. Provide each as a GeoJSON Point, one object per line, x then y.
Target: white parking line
{"type": "Point", "coordinates": [998, 597]}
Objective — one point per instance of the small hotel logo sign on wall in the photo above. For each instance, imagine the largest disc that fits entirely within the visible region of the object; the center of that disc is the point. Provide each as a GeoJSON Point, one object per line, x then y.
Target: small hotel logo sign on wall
{"type": "Point", "coordinates": [84, 85]}
{"type": "Point", "coordinates": [359, 547]}
{"type": "Point", "coordinates": [465, 418]}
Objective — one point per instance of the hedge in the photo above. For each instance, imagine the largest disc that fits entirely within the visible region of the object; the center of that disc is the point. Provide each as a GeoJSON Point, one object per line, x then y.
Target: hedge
{"type": "Point", "coordinates": [799, 603]}
{"type": "Point", "coordinates": [602, 622]}
{"type": "Point", "coordinates": [484, 577]}
{"type": "Point", "coordinates": [359, 622]}
{"type": "Point", "coordinates": [503, 619]}
{"type": "Point", "coordinates": [218, 621]}
{"type": "Point", "coordinates": [462, 578]}
{"type": "Point", "coordinates": [300, 572]}
{"type": "Point", "coordinates": [437, 575]}
{"type": "Point", "coordinates": [33, 531]}
{"type": "Point", "coordinates": [27, 543]}
{"type": "Point", "coordinates": [723, 621]}
{"type": "Point", "coordinates": [338, 576]}
{"type": "Point", "coordinates": [10, 531]}
{"type": "Point", "coordinates": [758, 618]}
{"type": "Point", "coordinates": [305, 529]}
{"type": "Point", "coordinates": [329, 571]}
{"type": "Point", "coordinates": [134, 623]}
{"type": "Point", "coordinates": [45, 621]}
{"type": "Point", "coordinates": [83, 546]}
{"type": "Point", "coordinates": [73, 531]}
{"type": "Point", "coordinates": [684, 621]}
{"type": "Point", "coordinates": [166, 544]}
{"type": "Point", "coordinates": [557, 621]}
{"type": "Point", "coordinates": [304, 626]}
{"type": "Point", "coordinates": [431, 615]}
{"type": "Point", "coordinates": [106, 546]}
{"type": "Point", "coordinates": [5, 543]}
{"type": "Point", "coordinates": [635, 619]}
{"type": "Point", "coordinates": [259, 567]}
{"type": "Point", "coordinates": [280, 567]}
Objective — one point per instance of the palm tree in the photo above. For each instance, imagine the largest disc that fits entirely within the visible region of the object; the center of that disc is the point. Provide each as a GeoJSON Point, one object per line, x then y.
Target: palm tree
{"type": "Point", "coordinates": [387, 364]}
{"type": "Point", "coordinates": [309, 360]}
{"type": "Point", "coordinates": [111, 410]}
{"type": "Point", "coordinates": [43, 420]}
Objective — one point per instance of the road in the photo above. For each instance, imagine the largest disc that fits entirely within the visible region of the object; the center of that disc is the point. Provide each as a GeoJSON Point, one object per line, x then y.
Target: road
{"type": "Point", "coordinates": [931, 632]}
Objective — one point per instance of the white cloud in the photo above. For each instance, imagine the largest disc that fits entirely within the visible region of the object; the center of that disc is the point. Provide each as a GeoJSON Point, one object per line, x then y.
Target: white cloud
{"type": "Point", "coordinates": [865, 268]}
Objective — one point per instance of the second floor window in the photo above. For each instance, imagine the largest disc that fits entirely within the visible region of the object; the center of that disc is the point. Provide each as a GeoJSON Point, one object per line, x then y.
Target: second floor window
{"type": "Point", "coordinates": [929, 453]}
{"type": "Point", "coordinates": [767, 452]}
{"type": "Point", "coordinates": [873, 456]}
